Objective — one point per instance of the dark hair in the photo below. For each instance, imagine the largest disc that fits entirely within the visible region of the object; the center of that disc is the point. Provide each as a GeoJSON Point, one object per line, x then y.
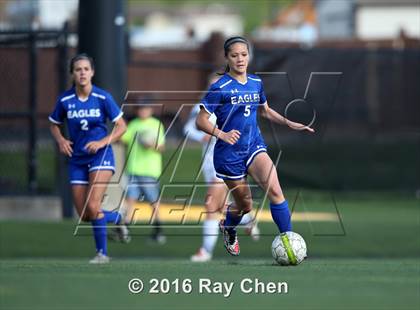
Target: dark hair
{"type": "Point", "coordinates": [82, 56]}
{"type": "Point", "coordinates": [228, 43]}
{"type": "Point", "coordinates": [146, 101]}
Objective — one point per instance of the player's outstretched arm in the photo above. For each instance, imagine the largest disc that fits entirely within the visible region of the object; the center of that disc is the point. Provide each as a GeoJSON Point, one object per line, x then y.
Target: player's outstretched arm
{"type": "Point", "coordinates": [273, 116]}
{"type": "Point", "coordinates": [119, 128]}
{"type": "Point", "coordinates": [202, 122]}
{"type": "Point", "coordinates": [63, 144]}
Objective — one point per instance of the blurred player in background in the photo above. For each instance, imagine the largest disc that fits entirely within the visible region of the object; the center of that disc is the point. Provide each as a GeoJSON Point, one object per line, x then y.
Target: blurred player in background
{"type": "Point", "coordinates": [240, 149]}
{"type": "Point", "coordinates": [145, 141]}
{"type": "Point", "coordinates": [86, 109]}
{"type": "Point", "coordinates": [217, 192]}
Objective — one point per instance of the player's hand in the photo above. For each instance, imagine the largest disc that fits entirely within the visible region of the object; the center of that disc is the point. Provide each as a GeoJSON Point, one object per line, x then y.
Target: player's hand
{"type": "Point", "coordinates": [299, 126]}
{"type": "Point", "coordinates": [93, 146]}
{"type": "Point", "coordinates": [65, 147]}
{"type": "Point", "coordinates": [230, 137]}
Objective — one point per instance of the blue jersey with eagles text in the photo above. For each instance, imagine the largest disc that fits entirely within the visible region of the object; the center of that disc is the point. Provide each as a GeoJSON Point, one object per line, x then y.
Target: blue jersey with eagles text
{"type": "Point", "coordinates": [235, 105]}
{"type": "Point", "coordinates": [86, 120]}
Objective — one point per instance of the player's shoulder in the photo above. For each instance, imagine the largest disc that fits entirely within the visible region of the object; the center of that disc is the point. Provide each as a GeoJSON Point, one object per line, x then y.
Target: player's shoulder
{"type": "Point", "coordinates": [100, 93]}
{"type": "Point", "coordinates": [222, 82]}
{"type": "Point", "coordinates": [67, 95]}
{"type": "Point", "coordinates": [254, 77]}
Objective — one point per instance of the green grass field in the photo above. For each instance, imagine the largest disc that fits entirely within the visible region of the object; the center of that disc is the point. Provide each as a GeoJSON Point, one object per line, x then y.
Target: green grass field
{"type": "Point", "coordinates": [374, 263]}
{"type": "Point", "coordinates": [368, 259]}
{"type": "Point", "coordinates": [315, 284]}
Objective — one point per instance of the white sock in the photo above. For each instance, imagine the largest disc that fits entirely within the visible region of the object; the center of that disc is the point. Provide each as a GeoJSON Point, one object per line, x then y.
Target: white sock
{"type": "Point", "coordinates": [210, 234]}
{"type": "Point", "coordinates": [246, 219]}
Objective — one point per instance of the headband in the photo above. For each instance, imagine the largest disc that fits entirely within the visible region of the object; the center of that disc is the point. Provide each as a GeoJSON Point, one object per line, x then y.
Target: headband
{"type": "Point", "coordinates": [233, 40]}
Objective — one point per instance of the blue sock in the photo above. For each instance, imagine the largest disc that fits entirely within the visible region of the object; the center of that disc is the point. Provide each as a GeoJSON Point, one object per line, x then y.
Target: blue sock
{"type": "Point", "coordinates": [281, 216]}
{"type": "Point", "coordinates": [112, 216]}
{"type": "Point", "coordinates": [99, 232]}
{"type": "Point", "coordinates": [232, 220]}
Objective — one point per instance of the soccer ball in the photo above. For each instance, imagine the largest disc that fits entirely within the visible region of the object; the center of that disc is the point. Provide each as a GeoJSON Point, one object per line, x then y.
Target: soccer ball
{"type": "Point", "coordinates": [289, 248]}
{"type": "Point", "coordinates": [148, 137]}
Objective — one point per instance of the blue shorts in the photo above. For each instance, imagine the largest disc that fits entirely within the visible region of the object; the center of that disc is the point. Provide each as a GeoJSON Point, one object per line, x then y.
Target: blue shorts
{"type": "Point", "coordinates": [140, 187]}
{"type": "Point", "coordinates": [238, 169]}
{"type": "Point", "coordinates": [79, 169]}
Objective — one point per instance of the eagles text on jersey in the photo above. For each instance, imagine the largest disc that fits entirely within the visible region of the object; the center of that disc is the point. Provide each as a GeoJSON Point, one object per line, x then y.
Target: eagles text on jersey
{"type": "Point", "coordinates": [86, 120]}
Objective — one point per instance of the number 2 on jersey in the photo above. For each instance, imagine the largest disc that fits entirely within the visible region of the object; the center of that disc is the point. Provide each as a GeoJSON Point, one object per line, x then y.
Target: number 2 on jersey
{"type": "Point", "coordinates": [84, 124]}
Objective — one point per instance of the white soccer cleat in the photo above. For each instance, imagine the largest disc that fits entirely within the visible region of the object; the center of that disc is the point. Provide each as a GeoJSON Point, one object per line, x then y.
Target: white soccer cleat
{"type": "Point", "coordinates": [120, 234]}
{"type": "Point", "coordinates": [201, 256]}
{"type": "Point", "coordinates": [252, 230]}
{"type": "Point", "coordinates": [100, 259]}
{"type": "Point", "coordinates": [123, 233]}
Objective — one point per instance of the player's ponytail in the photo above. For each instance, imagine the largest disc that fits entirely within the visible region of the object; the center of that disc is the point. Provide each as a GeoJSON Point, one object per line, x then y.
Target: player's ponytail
{"type": "Point", "coordinates": [227, 69]}
{"type": "Point", "coordinates": [226, 47]}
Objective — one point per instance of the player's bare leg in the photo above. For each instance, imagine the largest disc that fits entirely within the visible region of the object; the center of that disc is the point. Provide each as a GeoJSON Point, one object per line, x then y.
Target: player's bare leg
{"type": "Point", "coordinates": [79, 193]}
{"type": "Point", "coordinates": [98, 182]}
{"type": "Point", "coordinates": [264, 172]}
{"type": "Point", "coordinates": [241, 195]}
{"type": "Point", "coordinates": [216, 198]}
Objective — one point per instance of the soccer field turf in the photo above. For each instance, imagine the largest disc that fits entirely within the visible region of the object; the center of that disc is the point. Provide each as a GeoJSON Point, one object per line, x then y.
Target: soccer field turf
{"type": "Point", "coordinates": [373, 263]}
{"type": "Point", "coordinates": [315, 284]}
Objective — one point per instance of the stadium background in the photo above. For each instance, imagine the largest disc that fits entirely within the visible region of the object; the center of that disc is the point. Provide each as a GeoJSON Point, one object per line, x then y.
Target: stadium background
{"type": "Point", "coordinates": [361, 169]}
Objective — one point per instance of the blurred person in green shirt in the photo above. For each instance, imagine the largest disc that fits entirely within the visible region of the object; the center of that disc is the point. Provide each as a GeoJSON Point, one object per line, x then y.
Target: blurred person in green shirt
{"type": "Point", "coordinates": [145, 141]}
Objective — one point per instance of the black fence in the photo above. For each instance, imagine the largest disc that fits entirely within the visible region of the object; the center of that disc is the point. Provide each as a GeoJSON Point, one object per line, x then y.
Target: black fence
{"type": "Point", "coordinates": [29, 164]}
{"type": "Point", "coordinates": [365, 108]}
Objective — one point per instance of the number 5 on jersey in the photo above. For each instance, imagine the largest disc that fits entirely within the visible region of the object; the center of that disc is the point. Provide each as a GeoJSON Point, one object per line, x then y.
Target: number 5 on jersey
{"type": "Point", "coordinates": [84, 124]}
{"type": "Point", "coordinates": [247, 110]}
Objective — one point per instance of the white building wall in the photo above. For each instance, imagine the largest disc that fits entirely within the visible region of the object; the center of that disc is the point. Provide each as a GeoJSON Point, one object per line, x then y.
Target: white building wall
{"type": "Point", "coordinates": [53, 13]}
{"type": "Point", "coordinates": [386, 22]}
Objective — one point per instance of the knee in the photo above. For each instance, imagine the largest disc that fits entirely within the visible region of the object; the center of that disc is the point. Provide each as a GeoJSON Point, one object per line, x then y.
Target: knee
{"type": "Point", "coordinates": [84, 216]}
{"type": "Point", "coordinates": [276, 195]}
{"type": "Point", "coordinates": [93, 211]}
{"type": "Point", "coordinates": [212, 205]}
{"type": "Point", "coordinates": [247, 204]}
{"type": "Point", "coordinates": [213, 212]}
{"type": "Point", "coordinates": [244, 206]}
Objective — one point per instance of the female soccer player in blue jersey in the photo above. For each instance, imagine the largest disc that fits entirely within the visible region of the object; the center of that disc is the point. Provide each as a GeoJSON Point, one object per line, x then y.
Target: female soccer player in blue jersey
{"type": "Point", "coordinates": [217, 191]}
{"type": "Point", "coordinates": [240, 149]}
{"type": "Point", "coordinates": [86, 109]}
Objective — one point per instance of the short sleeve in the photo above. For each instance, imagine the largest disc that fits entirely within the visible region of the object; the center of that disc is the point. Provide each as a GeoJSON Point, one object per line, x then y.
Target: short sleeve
{"type": "Point", "coordinates": [113, 111]}
{"type": "Point", "coordinates": [263, 98]}
{"type": "Point", "coordinates": [128, 136]}
{"type": "Point", "coordinates": [212, 99]}
{"type": "Point", "coordinates": [58, 115]}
